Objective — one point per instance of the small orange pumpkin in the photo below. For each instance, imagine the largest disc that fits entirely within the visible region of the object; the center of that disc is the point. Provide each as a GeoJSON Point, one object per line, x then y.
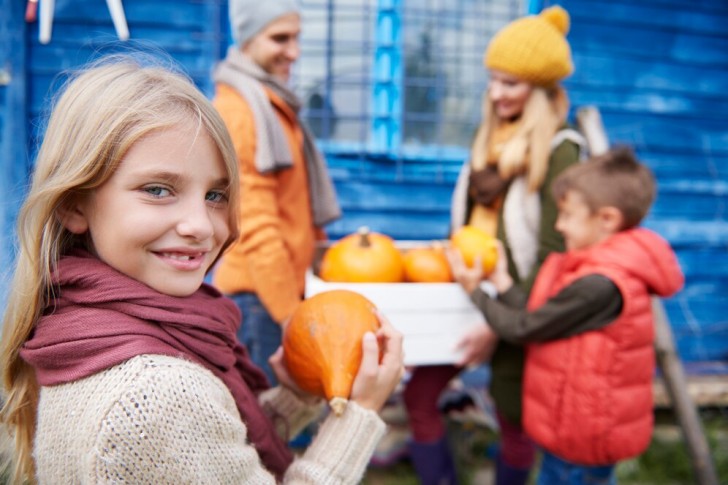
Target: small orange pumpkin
{"type": "Point", "coordinates": [364, 257]}
{"type": "Point", "coordinates": [322, 343]}
{"type": "Point", "coordinates": [473, 242]}
{"type": "Point", "coordinates": [426, 265]}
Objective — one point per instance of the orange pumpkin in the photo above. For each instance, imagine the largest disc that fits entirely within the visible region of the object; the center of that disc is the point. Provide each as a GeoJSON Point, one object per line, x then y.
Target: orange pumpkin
{"type": "Point", "coordinates": [322, 343]}
{"type": "Point", "coordinates": [426, 265]}
{"type": "Point", "coordinates": [473, 242]}
{"type": "Point", "coordinates": [364, 257]}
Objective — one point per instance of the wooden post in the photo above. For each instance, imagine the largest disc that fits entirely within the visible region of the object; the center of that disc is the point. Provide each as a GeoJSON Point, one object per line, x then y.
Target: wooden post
{"type": "Point", "coordinates": [676, 385]}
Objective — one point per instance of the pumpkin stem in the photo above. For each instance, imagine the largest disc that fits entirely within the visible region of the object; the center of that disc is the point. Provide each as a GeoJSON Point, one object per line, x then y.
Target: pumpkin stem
{"type": "Point", "coordinates": [364, 241]}
{"type": "Point", "coordinates": [338, 405]}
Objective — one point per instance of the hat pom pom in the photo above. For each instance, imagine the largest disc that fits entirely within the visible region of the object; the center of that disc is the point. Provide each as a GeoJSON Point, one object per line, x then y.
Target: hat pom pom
{"type": "Point", "coordinates": [558, 17]}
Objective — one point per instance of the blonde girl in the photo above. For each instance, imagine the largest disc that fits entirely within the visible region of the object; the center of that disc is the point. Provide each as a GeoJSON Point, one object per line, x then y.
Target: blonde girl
{"type": "Point", "coordinates": [119, 363]}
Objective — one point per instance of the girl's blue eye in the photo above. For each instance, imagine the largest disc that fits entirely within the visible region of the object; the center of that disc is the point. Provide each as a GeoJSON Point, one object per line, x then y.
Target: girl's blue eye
{"type": "Point", "coordinates": [157, 191]}
{"type": "Point", "coordinates": [216, 196]}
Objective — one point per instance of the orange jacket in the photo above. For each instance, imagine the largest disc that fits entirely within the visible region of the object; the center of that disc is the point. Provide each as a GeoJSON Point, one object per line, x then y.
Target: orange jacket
{"type": "Point", "coordinates": [277, 234]}
{"type": "Point", "coordinates": [588, 398]}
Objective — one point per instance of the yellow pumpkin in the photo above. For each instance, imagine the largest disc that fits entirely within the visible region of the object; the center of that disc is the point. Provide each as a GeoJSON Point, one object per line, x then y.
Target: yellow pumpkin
{"type": "Point", "coordinates": [426, 265]}
{"type": "Point", "coordinates": [322, 343]}
{"type": "Point", "coordinates": [473, 242]}
{"type": "Point", "coordinates": [364, 257]}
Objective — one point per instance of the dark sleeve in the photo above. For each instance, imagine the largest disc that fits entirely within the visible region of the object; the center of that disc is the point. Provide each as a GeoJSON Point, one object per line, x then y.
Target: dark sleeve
{"type": "Point", "coordinates": [589, 303]}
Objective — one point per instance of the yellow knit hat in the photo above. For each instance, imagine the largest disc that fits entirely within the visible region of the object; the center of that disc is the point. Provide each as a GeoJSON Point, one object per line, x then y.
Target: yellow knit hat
{"type": "Point", "coordinates": [533, 48]}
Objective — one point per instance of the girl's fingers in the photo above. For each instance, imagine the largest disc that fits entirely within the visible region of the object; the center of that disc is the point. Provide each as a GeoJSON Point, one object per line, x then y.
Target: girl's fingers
{"type": "Point", "coordinates": [370, 354]}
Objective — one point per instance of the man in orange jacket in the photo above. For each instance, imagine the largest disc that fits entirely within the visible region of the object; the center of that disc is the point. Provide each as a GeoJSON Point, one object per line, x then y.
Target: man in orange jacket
{"type": "Point", "coordinates": [287, 195]}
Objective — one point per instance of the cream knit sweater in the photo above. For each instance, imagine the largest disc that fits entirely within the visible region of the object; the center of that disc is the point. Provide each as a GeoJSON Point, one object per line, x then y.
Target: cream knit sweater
{"type": "Point", "coordinates": [157, 419]}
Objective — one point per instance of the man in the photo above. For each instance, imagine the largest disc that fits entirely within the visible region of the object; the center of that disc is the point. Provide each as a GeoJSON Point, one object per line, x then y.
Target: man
{"type": "Point", "coordinates": [287, 195]}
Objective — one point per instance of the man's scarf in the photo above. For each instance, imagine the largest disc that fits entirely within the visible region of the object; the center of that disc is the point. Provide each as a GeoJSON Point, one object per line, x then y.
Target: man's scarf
{"type": "Point", "coordinates": [272, 149]}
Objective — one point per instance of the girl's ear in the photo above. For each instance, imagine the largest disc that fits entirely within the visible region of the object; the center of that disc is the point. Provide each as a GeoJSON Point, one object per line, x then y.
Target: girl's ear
{"type": "Point", "coordinates": [71, 216]}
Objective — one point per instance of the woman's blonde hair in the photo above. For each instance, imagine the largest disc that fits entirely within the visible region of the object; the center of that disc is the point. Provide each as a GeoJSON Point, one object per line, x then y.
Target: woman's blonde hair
{"type": "Point", "coordinates": [529, 149]}
{"type": "Point", "coordinates": [102, 112]}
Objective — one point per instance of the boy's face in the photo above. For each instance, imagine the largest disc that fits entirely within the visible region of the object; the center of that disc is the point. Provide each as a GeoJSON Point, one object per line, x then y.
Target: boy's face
{"type": "Point", "coordinates": [163, 216]}
{"type": "Point", "coordinates": [275, 48]}
{"type": "Point", "coordinates": [580, 226]}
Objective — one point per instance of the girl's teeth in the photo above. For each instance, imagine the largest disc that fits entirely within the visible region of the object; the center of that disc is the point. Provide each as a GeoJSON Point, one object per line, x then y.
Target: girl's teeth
{"type": "Point", "coordinates": [179, 257]}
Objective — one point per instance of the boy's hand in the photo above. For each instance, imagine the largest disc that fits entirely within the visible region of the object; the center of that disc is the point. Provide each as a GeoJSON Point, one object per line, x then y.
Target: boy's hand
{"type": "Point", "coordinates": [500, 277]}
{"type": "Point", "coordinates": [469, 278]}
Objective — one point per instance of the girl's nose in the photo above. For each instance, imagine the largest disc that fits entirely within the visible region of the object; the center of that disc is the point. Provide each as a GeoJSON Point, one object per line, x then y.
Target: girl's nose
{"type": "Point", "coordinates": [195, 222]}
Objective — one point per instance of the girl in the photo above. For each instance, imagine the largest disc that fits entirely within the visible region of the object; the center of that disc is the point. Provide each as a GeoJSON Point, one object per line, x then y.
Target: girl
{"type": "Point", "coordinates": [521, 145]}
{"type": "Point", "coordinates": [119, 363]}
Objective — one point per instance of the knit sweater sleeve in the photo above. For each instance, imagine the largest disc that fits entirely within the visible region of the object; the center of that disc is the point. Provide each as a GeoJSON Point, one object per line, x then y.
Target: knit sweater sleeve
{"type": "Point", "coordinates": [289, 413]}
{"type": "Point", "coordinates": [177, 423]}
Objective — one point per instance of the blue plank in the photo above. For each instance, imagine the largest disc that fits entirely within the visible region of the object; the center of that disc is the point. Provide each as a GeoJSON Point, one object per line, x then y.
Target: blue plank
{"type": "Point", "coordinates": [650, 15]}
{"type": "Point", "coordinates": [622, 41]}
{"type": "Point", "coordinates": [650, 132]}
{"type": "Point", "coordinates": [691, 232]}
{"type": "Point", "coordinates": [598, 70]}
{"type": "Point", "coordinates": [709, 264]}
{"type": "Point", "coordinates": [400, 226]}
{"type": "Point", "coordinates": [715, 7]}
{"type": "Point", "coordinates": [403, 198]}
{"type": "Point", "coordinates": [181, 14]}
{"type": "Point", "coordinates": [667, 164]}
{"type": "Point", "coordinates": [13, 151]}
{"type": "Point", "coordinates": [688, 106]}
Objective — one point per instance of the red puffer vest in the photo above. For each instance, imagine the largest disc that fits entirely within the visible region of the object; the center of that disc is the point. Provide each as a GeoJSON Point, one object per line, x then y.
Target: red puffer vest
{"type": "Point", "coordinates": [588, 398]}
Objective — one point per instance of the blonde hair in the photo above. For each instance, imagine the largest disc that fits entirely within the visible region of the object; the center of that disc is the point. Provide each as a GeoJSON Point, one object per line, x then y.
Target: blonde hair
{"type": "Point", "coordinates": [102, 112]}
{"type": "Point", "coordinates": [529, 149]}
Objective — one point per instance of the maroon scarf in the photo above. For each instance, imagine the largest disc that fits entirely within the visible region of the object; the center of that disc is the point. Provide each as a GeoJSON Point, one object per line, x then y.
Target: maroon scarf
{"type": "Point", "coordinates": [101, 318]}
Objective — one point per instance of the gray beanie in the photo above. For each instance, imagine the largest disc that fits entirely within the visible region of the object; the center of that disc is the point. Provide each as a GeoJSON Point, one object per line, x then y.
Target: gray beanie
{"type": "Point", "coordinates": [248, 17]}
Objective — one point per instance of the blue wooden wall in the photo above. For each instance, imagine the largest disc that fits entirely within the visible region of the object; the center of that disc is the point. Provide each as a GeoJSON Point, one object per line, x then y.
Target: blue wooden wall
{"type": "Point", "coordinates": [657, 70]}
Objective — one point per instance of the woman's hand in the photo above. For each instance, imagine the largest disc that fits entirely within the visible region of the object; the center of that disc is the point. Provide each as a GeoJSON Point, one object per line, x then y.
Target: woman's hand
{"type": "Point", "coordinates": [477, 345]}
{"type": "Point", "coordinates": [377, 378]}
{"type": "Point", "coordinates": [469, 278]}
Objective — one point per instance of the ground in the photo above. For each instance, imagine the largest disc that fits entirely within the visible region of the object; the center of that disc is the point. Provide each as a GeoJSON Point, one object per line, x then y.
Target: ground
{"type": "Point", "coordinates": [666, 462]}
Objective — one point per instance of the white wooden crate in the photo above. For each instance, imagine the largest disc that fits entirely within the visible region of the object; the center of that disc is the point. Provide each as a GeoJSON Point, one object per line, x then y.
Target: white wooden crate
{"type": "Point", "coordinates": [431, 316]}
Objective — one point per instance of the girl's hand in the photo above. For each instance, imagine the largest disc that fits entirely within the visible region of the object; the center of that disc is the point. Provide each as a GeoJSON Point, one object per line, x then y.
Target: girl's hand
{"type": "Point", "coordinates": [477, 345]}
{"type": "Point", "coordinates": [469, 278]}
{"type": "Point", "coordinates": [377, 378]}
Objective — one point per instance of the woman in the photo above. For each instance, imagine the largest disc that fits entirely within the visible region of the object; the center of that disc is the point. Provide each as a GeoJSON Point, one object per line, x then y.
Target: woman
{"type": "Point", "coordinates": [522, 143]}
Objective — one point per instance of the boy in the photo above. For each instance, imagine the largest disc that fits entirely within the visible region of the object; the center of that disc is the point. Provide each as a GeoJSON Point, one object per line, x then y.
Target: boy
{"type": "Point", "coordinates": [588, 322]}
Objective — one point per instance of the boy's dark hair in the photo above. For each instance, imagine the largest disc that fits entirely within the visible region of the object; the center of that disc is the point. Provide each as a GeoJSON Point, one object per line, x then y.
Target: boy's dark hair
{"type": "Point", "coordinates": [615, 179]}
